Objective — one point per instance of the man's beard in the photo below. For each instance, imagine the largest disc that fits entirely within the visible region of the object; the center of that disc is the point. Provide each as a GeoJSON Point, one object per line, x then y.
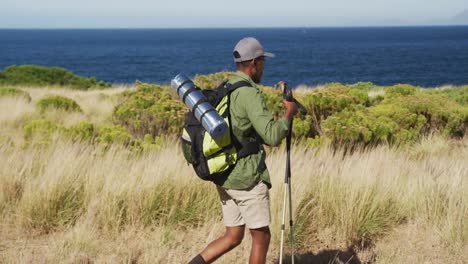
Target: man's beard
{"type": "Point", "coordinates": [257, 78]}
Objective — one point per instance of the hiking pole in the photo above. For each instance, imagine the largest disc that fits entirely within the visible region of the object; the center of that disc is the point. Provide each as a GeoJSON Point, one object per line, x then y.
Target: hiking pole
{"type": "Point", "coordinates": [288, 96]}
{"type": "Point", "coordinates": [287, 192]}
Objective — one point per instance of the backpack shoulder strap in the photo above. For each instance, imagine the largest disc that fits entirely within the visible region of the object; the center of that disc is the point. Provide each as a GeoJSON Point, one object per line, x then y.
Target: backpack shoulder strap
{"type": "Point", "coordinates": [234, 86]}
{"type": "Point", "coordinates": [227, 88]}
{"type": "Point", "coordinates": [244, 148]}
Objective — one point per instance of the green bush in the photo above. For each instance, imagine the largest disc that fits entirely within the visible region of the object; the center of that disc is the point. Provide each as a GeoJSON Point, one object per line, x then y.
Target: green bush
{"type": "Point", "coordinates": [400, 89]}
{"type": "Point", "coordinates": [457, 94]}
{"type": "Point", "coordinates": [348, 128]}
{"type": "Point", "coordinates": [397, 120]}
{"type": "Point", "coordinates": [212, 81]}
{"type": "Point", "coordinates": [149, 144]}
{"type": "Point", "coordinates": [152, 110]}
{"type": "Point", "coordinates": [364, 86]}
{"type": "Point", "coordinates": [108, 135]}
{"type": "Point", "coordinates": [396, 124]}
{"type": "Point", "coordinates": [375, 100]}
{"type": "Point", "coordinates": [334, 98]}
{"type": "Point", "coordinates": [58, 102]}
{"type": "Point", "coordinates": [41, 130]}
{"type": "Point", "coordinates": [273, 100]}
{"type": "Point", "coordinates": [34, 75]}
{"type": "Point", "coordinates": [365, 128]}
{"type": "Point", "coordinates": [14, 92]}
{"type": "Point", "coordinates": [359, 97]}
{"type": "Point", "coordinates": [344, 115]}
{"type": "Point", "coordinates": [442, 114]}
{"type": "Point", "coordinates": [302, 125]}
{"type": "Point", "coordinates": [84, 131]}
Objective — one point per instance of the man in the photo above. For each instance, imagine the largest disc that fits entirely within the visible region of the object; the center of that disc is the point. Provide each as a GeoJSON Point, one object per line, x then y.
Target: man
{"type": "Point", "coordinates": [244, 193]}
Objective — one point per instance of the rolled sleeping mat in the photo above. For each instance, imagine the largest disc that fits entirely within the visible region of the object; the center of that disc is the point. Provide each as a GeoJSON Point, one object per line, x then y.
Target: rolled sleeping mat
{"type": "Point", "coordinates": [204, 112]}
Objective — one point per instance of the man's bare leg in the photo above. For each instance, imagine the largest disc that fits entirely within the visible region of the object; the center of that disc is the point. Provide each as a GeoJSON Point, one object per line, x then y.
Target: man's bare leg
{"type": "Point", "coordinates": [260, 242]}
{"type": "Point", "coordinates": [231, 238]}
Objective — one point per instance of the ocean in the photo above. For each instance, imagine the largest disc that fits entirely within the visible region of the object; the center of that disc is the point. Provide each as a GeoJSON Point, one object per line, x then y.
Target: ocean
{"type": "Point", "coordinates": [423, 56]}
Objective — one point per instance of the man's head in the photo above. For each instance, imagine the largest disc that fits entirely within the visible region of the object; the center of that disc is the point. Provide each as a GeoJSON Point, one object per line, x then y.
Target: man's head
{"type": "Point", "coordinates": [249, 57]}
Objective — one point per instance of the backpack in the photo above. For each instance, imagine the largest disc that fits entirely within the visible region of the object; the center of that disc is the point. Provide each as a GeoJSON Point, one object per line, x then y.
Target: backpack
{"type": "Point", "coordinates": [215, 158]}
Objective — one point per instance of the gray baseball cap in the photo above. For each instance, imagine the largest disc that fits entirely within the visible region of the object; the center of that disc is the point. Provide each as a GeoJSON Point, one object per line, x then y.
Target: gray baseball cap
{"type": "Point", "coordinates": [249, 49]}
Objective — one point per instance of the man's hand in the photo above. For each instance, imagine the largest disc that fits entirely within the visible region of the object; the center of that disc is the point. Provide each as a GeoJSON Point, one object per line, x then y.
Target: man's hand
{"type": "Point", "coordinates": [290, 109]}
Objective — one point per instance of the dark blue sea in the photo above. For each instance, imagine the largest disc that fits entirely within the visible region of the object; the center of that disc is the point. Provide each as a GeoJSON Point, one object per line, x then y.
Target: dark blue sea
{"type": "Point", "coordinates": [424, 56]}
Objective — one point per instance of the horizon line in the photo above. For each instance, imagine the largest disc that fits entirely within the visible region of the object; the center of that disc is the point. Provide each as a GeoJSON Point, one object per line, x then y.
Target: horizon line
{"type": "Point", "coordinates": [229, 27]}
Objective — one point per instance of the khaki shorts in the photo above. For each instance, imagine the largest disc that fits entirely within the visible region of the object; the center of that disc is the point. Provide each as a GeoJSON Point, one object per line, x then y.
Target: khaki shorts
{"type": "Point", "coordinates": [250, 207]}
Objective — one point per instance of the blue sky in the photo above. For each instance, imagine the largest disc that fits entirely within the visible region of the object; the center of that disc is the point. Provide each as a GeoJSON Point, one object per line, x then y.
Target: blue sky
{"type": "Point", "coordinates": [217, 13]}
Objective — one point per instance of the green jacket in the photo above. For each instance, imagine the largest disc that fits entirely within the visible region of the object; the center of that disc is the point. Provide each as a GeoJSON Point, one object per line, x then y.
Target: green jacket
{"type": "Point", "coordinates": [250, 117]}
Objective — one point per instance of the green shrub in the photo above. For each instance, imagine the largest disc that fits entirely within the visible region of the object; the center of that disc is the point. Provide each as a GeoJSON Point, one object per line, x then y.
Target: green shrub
{"type": "Point", "coordinates": [359, 97]}
{"type": "Point", "coordinates": [14, 92]}
{"type": "Point", "coordinates": [442, 114]}
{"type": "Point", "coordinates": [397, 120]}
{"type": "Point", "coordinates": [323, 103]}
{"type": "Point", "coordinates": [58, 102]}
{"type": "Point", "coordinates": [348, 128]}
{"type": "Point", "coordinates": [114, 134]}
{"type": "Point", "coordinates": [457, 94]}
{"type": "Point", "coordinates": [400, 89]}
{"type": "Point", "coordinates": [212, 81]}
{"type": "Point", "coordinates": [375, 100]}
{"type": "Point", "coordinates": [369, 127]}
{"type": "Point", "coordinates": [302, 125]}
{"type": "Point", "coordinates": [273, 100]}
{"type": "Point", "coordinates": [84, 131]}
{"type": "Point", "coordinates": [364, 86]}
{"type": "Point", "coordinates": [149, 144]}
{"type": "Point", "coordinates": [152, 110]}
{"type": "Point", "coordinates": [396, 123]}
{"type": "Point", "coordinates": [41, 130]}
{"type": "Point", "coordinates": [47, 76]}
{"type": "Point", "coordinates": [315, 142]}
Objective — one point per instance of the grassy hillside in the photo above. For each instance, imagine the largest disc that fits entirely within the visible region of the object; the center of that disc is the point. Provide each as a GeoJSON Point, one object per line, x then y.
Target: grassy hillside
{"type": "Point", "coordinates": [379, 176]}
{"type": "Point", "coordinates": [47, 76]}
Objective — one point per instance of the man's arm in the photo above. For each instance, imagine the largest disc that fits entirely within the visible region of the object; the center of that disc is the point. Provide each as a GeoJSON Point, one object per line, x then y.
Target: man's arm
{"type": "Point", "coordinates": [272, 132]}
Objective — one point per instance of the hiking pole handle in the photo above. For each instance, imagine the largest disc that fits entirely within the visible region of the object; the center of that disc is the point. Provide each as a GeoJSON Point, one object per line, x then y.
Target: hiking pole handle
{"type": "Point", "coordinates": [300, 107]}
{"type": "Point", "coordinates": [288, 96]}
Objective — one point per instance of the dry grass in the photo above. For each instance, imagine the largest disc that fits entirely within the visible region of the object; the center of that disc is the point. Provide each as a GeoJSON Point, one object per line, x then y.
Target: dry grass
{"type": "Point", "coordinates": [16, 112]}
{"type": "Point", "coordinates": [305, 89]}
{"type": "Point", "coordinates": [71, 202]}
{"type": "Point", "coordinates": [97, 105]}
